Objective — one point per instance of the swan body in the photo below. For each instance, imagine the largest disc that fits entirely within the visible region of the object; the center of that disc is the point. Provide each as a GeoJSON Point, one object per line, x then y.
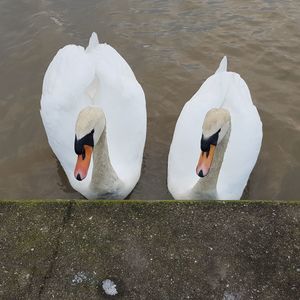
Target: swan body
{"type": "Point", "coordinates": [92, 96]}
{"type": "Point", "coordinates": [236, 147]}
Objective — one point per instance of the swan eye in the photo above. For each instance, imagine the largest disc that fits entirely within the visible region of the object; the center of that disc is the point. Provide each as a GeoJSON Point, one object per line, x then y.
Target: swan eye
{"type": "Point", "coordinates": [212, 140]}
{"type": "Point", "coordinates": [86, 140]}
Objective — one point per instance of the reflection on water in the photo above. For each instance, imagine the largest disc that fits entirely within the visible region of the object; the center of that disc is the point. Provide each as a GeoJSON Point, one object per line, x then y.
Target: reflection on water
{"type": "Point", "coordinates": [172, 46]}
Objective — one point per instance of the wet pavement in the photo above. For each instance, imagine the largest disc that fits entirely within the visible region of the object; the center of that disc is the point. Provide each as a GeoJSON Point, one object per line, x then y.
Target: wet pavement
{"type": "Point", "coordinates": [149, 250]}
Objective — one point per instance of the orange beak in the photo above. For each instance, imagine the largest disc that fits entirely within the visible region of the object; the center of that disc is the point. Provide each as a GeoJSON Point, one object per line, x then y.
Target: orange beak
{"type": "Point", "coordinates": [83, 163]}
{"type": "Point", "coordinates": [205, 161]}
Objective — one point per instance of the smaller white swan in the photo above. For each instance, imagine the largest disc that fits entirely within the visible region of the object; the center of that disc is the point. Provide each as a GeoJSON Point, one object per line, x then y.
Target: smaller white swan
{"type": "Point", "coordinates": [216, 141]}
{"type": "Point", "coordinates": [94, 113]}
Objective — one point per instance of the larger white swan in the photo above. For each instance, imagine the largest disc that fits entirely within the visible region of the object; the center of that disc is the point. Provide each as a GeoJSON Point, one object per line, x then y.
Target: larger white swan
{"type": "Point", "coordinates": [216, 141]}
{"type": "Point", "coordinates": [94, 113]}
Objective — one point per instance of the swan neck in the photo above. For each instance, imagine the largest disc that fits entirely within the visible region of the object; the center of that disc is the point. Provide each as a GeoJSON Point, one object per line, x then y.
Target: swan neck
{"type": "Point", "coordinates": [105, 183]}
{"type": "Point", "coordinates": [206, 188]}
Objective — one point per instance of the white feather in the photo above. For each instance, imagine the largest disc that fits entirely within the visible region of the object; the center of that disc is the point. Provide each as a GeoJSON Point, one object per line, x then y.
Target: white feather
{"type": "Point", "coordinates": [227, 90]}
{"type": "Point", "coordinates": [77, 78]}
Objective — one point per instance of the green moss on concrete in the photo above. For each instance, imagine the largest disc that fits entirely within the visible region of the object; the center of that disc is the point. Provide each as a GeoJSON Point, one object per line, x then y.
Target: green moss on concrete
{"type": "Point", "coordinates": [35, 202]}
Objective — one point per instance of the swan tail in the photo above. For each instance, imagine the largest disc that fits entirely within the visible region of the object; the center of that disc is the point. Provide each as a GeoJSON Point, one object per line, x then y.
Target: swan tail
{"type": "Point", "coordinates": [223, 65]}
{"type": "Point", "coordinates": [94, 42]}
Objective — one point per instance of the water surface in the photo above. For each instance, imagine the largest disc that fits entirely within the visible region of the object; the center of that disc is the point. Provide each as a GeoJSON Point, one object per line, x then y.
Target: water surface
{"type": "Point", "coordinates": [172, 46]}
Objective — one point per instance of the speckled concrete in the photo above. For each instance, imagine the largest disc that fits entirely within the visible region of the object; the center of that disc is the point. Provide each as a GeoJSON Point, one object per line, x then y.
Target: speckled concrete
{"type": "Point", "coordinates": [150, 250]}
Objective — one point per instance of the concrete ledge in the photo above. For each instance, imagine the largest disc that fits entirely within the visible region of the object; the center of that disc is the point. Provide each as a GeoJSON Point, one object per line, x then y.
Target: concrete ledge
{"type": "Point", "coordinates": [151, 249]}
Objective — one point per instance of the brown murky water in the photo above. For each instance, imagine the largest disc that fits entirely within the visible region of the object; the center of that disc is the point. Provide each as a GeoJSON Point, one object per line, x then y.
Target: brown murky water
{"type": "Point", "coordinates": [172, 46]}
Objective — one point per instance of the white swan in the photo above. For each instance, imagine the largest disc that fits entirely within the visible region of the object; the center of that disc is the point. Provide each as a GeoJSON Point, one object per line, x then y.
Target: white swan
{"type": "Point", "coordinates": [216, 140]}
{"type": "Point", "coordinates": [94, 113]}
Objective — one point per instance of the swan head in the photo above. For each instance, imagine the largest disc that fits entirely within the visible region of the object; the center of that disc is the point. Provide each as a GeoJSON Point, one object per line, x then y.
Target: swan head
{"type": "Point", "coordinates": [88, 130]}
{"type": "Point", "coordinates": [215, 126]}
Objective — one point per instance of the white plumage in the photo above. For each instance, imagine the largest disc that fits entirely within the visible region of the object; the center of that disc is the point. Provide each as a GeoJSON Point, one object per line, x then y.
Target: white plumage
{"type": "Point", "coordinates": [96, 76]}
{"type": "Point", "coordinates": [222, 90]}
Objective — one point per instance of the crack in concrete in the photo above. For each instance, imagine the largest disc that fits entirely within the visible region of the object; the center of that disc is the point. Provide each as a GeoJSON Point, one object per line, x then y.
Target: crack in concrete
{"type": "Point", "coordinates": [48, 274]}
{"type": "Point", "coordinates": [30, 285]}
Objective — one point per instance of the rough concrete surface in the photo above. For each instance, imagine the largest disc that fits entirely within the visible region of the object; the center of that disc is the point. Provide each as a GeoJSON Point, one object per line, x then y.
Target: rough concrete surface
{"type": "Point", "coordinates": [149, 250]}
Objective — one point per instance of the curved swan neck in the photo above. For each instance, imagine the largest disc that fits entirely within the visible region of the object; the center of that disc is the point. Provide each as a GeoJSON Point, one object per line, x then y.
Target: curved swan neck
{"type": "Point", "coordinates": [206, 188]}
{"type": "Point", "coordinates": [105, 182]}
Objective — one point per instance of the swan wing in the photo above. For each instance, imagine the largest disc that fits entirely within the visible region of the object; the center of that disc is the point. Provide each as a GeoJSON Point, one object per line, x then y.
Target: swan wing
{"type": "Point", "coordinates": [63, 96]}
{"type": "Point", "coordinates": [244, 142]}
{"type": "Point", "coordinates": [123, 101]}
